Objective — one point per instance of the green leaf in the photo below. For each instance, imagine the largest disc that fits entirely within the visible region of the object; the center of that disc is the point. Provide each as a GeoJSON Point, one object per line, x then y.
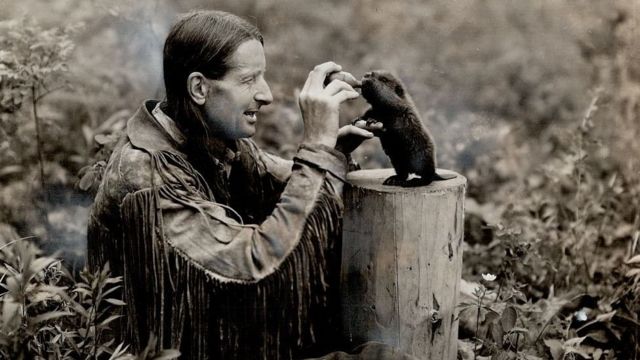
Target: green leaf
{"type": "Point", "coordinates": [632, 273]}
{"type": "Point", "coordinates": [497, 333]}
{"type": "Point", "coordinates": [509, 317]}
{"type": "Point", "coordinates": [49, 316]}
{"type": "Point", "coordinates": [11, 314]}
{"type": "Point", "coordinates": [111, 290]}
{"type": "Point", "coordinates": [555, 348]}
{"type": "Point", "coordinates": [633, 261]}
{"type": "Point", "coordinates": [115, 302]}
{"type": "Point", "coordinates": [43, 293]}
{"type": "Point", "coordinates": [108, 320]}
{"type": "Point", "coordinates": [37, 266]}
{"type": "Point", "coordinates": [518, 330]}
{"type": "Point", "coordinates": [82, 291]}
{"type": "Point", "coordinates": [491, 315]}
{"type": "Point", "coordinates": [167, 355]}
{"type": "Point", "coordinates": [91, 332]}
{"type": "Point", "coordinates": [80, 310]}
{"type": "Point", "coordinates": [87, 133]}
{"type": "Point", "coordinates": [577, 350]}
{"type": "Point", "coordinates": [87, 181]}
{"type": "Point", "coordinates": [599, 336]}
{"type": "Point", "coordinates": [576, 341]}
{"type": "Point", "coordinates": [119, 352]}
{"type": "Point", "coordinates": [113, 280]}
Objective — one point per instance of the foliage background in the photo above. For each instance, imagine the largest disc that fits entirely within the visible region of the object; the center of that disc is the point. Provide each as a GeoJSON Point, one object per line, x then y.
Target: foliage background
{"type": "Point", "coordinates": [536, 103]}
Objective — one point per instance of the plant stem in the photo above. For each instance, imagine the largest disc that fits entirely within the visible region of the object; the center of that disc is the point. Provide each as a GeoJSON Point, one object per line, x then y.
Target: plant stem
{"type": "Point", "coordinates": [34, 103]}
{"type": "Point", "coordinates": [475, 344]}
{"type": "Point", "coordinates": [499, 290]}
{"type": "Point", "coordinates": [543, 329]}
{"type": "Point", "coordinates": [635, 352]}
{"type": "Point", "coordinates": [44, 197]}
{"type": "Point", "coordinates": [90, 321]}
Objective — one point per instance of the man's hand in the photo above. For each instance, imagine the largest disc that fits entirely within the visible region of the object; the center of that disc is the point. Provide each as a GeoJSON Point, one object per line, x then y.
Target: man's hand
{"type": "Point", "coordinates": [351, 136]}
{"type": "Point", "coordinates": [320, 105]}
{"type": "Point", "coordinates": [343, 76]}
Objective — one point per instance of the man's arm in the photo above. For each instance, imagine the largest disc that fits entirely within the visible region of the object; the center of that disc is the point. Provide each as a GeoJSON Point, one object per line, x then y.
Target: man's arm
{"type": "Point", "coordinates": [257, 181]}
{"type": "Point", "coordinates": [201, 232]}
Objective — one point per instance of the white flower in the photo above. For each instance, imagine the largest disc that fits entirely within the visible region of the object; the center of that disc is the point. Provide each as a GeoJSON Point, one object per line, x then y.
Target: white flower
{"type": "Point", "coordinates": [488, 277]}
{"type": "Point", "coordinates": [580, 315]}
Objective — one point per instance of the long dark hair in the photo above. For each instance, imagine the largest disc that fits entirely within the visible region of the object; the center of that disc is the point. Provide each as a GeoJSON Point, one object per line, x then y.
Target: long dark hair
{"type": "Point", "coordinates": [200, 41]}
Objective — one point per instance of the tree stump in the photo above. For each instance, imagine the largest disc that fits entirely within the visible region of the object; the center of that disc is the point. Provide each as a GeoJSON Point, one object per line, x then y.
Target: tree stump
{"type": "Point", "coordinates": [402, 263]}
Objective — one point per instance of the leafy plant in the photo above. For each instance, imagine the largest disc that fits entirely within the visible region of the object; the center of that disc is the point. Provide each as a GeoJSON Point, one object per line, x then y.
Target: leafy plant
{"type": "Point", "coordinates": [31, 300]}
{"type": "Point", "coordinates": [45, 314]}
{"type": "Point", "coordinates": [31, 64]}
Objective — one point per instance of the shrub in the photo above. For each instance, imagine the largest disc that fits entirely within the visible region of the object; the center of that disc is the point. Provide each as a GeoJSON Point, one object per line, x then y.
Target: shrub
{"type": "Point", "coordinates": [47, 314]}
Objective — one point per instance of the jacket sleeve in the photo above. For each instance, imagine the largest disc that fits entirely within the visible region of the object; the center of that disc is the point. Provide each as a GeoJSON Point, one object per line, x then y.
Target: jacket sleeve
{"type": "Point", "coordinates": [204, 234]}
{"type": "Point", "coordinates": [258, 179]}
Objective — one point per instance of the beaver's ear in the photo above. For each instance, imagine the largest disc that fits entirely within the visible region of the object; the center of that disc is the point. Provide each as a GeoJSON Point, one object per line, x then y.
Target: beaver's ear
{"type": "Point", "coordinates": [399, 91]}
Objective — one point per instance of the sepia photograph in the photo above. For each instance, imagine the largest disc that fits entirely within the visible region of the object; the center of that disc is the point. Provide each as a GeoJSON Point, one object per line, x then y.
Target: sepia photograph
{"type": "Point", "coordinates": [319, 180]}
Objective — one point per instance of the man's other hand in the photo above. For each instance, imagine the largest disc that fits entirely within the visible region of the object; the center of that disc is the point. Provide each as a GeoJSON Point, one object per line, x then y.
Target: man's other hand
{"type": "Point", "coordinates": [351, 136]}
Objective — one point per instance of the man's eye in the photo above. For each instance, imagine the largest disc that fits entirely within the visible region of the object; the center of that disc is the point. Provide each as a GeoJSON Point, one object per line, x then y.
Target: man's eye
{"type": "Point", "coordinates": [249, 80]}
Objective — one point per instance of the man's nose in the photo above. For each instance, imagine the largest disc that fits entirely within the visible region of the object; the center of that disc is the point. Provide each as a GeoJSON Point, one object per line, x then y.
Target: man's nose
{"type": "Point", "coordinates": [263, 95]}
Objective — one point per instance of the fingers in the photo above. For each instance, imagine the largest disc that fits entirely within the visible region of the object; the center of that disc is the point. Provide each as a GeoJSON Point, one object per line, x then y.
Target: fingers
{"type": "Point", "coordinates": [350, 137]}
{"type": "Point", "coordinates": [344, 95]}
{"type": "Point", "coordinates": [368, 125]}
{"type": "Point", "coordinates": [320, 105]}
{"type": "Point", "coordinates": [315, 80]}
{"type": "Point", "coordinates": [343, 76]}
{"type": "Point", "coordinates": [336, 86]}
{"type": "Point", "coordinates": [354, 130]}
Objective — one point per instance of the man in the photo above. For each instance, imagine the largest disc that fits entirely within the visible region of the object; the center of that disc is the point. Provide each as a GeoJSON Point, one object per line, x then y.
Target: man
{"type": "Point", "coordinates": [227, 252]}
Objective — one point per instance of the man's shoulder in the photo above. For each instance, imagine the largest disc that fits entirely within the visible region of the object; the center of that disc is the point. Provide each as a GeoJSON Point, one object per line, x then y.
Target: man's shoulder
{"type": "Point", "coordinates": [129, 169]}
{"type": "Point", "coordinates": [136, 164]}
{"type": "Point", "coordinates": [139, 169]}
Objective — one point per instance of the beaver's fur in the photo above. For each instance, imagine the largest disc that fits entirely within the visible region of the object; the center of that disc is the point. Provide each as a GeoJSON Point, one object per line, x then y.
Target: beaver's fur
{"type": "Point", "coordinates": [404, 139]}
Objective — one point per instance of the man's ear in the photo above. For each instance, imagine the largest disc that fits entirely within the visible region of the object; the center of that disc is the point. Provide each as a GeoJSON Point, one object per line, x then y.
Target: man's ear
{"type": "Point", "coordinates": [197, 87]}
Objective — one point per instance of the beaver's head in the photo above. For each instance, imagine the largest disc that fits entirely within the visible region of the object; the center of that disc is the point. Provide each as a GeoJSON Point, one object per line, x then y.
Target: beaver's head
{"type": "Point", "coordinates": [381, 88]}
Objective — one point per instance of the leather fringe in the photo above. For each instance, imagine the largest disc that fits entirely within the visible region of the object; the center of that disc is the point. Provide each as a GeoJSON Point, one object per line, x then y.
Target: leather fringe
{"type": "Point", "coordinates": [207, 317]}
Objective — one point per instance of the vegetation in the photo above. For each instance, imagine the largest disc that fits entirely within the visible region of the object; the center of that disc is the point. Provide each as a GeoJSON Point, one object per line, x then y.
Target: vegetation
{"type": "Point", "coordinates": [47, 314]}
{"type": "Point", "coordinates": [536, 103]}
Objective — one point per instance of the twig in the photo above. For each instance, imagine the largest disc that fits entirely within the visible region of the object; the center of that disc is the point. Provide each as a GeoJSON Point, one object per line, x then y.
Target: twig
{"type": "Point", "coordinates": [34, 103]}
{"type": "Point", "coordinates": [475, 344]}
{"type": "Point", "coordinates": [49, 91]}
{"type": "Point", "coordinates": [543, 329]}
{"type": "Point", "coordinates": [44, 197]}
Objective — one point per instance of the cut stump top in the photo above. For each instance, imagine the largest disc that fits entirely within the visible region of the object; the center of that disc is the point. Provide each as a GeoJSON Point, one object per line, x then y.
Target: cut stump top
{"type": "Point", "coordinates": [372, 179]}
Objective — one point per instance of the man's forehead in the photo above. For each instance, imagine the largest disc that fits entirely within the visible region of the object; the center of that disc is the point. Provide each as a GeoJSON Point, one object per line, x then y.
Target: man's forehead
{"type": "Point", "coordinates": [246, 67]}
{"type": "Point", "coordinates": [248, 57]}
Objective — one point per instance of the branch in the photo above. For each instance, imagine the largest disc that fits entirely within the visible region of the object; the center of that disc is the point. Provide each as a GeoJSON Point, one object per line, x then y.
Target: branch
{"type": "Point", "coordinates": [49, 91]}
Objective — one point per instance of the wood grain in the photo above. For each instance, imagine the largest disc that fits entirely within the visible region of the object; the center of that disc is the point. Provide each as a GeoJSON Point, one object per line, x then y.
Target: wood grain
{"type": "Point", "coordinates": [402, 262]}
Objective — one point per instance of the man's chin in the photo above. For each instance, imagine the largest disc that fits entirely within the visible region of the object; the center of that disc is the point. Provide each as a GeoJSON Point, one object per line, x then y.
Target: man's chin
{"type": "Point", "coordinates": [248, 132]}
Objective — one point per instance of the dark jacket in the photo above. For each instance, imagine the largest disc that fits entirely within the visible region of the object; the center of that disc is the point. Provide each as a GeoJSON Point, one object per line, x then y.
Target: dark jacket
{"type": "Point", "coordinates": [237, 268]}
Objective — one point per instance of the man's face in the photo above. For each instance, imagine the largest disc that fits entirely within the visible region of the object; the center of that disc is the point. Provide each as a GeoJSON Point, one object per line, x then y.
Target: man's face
{"type": "Point", "coordinates": [233, 102]}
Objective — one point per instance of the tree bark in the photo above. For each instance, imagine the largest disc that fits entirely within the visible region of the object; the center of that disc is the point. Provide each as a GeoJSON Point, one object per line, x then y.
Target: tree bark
{"type": "Point", "coordinates": [402, 263]}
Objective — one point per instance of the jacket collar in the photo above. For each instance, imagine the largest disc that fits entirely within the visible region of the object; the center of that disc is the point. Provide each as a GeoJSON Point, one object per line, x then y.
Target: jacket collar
{"type": "Point", "coordinates": [146, 132]}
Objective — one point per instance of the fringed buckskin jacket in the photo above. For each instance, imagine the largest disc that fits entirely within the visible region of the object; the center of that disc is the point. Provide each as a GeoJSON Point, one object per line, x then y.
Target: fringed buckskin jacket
{"type": "Point", "coordinates": [238, 259]}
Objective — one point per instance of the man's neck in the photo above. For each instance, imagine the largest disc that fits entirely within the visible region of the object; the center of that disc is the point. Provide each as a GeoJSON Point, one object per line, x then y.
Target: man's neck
{"type": "Point", "coordinates": [224, 151]}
